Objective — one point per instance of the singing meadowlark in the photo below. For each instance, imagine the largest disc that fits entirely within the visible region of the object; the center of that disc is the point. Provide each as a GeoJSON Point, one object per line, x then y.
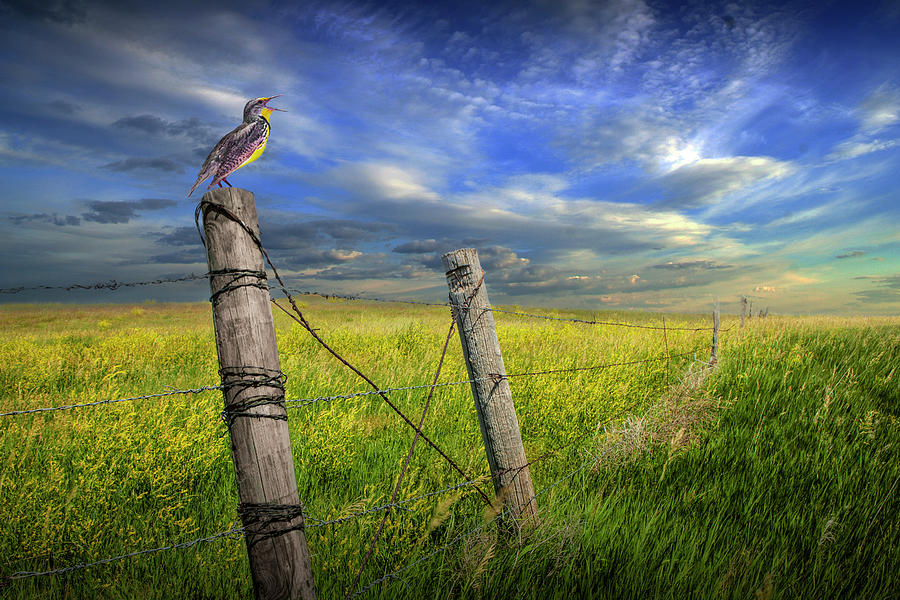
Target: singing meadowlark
{"type": "Point", "coordinates": [239, 147]}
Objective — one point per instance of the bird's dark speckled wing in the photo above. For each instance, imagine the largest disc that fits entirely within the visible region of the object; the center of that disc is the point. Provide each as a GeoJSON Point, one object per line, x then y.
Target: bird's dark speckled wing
{"type": "Point", "coordinates": [231, 141]}
{"type": "Point", "coordinates": [243, 148]}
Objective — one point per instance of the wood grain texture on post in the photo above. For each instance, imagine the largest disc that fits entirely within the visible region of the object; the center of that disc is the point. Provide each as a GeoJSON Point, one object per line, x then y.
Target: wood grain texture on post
{"type": "Point", "coordinates": [493, 398]}
{"type": "Point", "coordinates": [258, 427]}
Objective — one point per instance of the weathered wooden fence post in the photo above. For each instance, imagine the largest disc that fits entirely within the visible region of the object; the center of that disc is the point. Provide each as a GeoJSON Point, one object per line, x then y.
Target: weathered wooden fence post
{"type": "Point", "coordinates": [743, 310]}
{"type": "Point", "coordinates": [254, 400]}
{"type": "Point", "coordinates": [493, 399]}
{"type": "Point", "coordinates": [714, 355]}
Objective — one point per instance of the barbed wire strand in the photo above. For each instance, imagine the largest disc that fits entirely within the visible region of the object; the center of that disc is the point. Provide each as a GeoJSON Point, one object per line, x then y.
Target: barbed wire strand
{"type": "Point", "coordinates": [205, 388]}
{"type": "Point", "coordinates": [233, 533]}
{"type": "Point", "coordinates": [362, 298]}
{"type": "Point", "coordinates": [112, 284]}
{"type": "Point", "coordinates": [300, 402]}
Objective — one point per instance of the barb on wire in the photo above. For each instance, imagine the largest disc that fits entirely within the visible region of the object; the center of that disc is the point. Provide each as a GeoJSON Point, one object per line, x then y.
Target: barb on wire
{"type": "Point", "coordinates": [112, 284]}
{"type": "Point", "coordinates": [234, 533]}
{"type": "Point", "coordinates": [205, 388]}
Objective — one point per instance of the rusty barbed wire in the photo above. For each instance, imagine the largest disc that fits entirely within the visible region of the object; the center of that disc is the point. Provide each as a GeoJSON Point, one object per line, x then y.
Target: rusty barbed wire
{"type": "Point", "coordinates": [233, 533]}
{"type": "Point", "coordinates": [112, 284]}
{"type": "Point", "coordinates": [173, 392]}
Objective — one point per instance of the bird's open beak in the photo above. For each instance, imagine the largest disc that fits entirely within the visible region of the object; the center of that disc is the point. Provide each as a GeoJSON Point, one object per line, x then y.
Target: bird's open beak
{"type": "Point", "coordinates": [266, 103]}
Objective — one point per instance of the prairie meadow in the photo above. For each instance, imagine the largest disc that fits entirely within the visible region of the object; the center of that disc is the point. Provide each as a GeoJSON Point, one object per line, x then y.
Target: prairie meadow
{"type": "Point", "coordinates": [773, 475]}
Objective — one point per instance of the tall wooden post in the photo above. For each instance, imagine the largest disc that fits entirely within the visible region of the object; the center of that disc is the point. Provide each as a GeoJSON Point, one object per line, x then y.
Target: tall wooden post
{"type": "Point", "coordinates": [254, 394]}
{"type": "Point", "coordinates": [493, 399]}
{"type": "Point", "coordinates": [743, 310]}
{"type": "Point", "coordinates": [714, 355]}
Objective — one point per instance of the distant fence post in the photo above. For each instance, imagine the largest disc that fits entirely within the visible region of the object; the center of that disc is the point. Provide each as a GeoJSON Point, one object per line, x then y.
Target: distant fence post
{"type": "Point", "coordinates": [743, 310]}
{"type": "Point", "coordinates": [493, 399]}
{"type": "Point", "coordinates": [714, 355]}
{"type": "Point", "coordinates": [254, 400]}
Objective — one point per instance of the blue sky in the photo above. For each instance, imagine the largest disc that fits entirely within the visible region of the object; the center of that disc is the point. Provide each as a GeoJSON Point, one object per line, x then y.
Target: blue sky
{"type": "Point", "coordinates": [621, 154]}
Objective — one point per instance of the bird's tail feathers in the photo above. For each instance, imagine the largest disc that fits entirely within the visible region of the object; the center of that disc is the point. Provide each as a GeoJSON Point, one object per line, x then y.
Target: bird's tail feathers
{"type": "Point", "coordinates": [200, 178]}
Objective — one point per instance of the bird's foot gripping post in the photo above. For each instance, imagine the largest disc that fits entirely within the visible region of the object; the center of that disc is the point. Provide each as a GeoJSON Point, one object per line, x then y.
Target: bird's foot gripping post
{"type": "Point", "coordinates": [254, 398]}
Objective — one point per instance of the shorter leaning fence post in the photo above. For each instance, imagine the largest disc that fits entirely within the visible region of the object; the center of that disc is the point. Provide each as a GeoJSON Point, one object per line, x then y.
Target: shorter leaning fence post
{"type": "Point", "coordinates": [490, 387]}
{"type": "Point", "coordinates": [254, 399]}
{"type": "Point", "coordinates": [714, 355]}
{"type": "Point", "coordinates": [743, 310]}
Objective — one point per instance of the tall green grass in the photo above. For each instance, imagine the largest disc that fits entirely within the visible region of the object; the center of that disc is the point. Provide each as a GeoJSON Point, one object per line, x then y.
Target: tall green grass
{"type": "Point", "coordinates": [773, 476]}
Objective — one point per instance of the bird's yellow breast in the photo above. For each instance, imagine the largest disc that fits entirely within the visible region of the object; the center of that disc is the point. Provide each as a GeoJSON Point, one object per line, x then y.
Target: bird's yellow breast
{"type": "Point", "coordinates": [256, 153]}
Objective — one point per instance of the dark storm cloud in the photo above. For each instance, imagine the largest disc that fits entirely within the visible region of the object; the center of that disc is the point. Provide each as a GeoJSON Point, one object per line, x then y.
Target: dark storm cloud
{"type": "Point", "coordinates": [852, 254]}
{"type": "Point", "coordinates": [134, 163]}
{"type": "Point", "coordinates": [67, 12]}
{"type": "Point", "coordinates": [54, 219]}
{"type": "Point", "coordinates": [122, 211]}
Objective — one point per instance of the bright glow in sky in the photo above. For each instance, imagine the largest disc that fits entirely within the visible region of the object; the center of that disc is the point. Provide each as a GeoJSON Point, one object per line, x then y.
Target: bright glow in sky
{"type": "Point", "coordinates": [618, 154]}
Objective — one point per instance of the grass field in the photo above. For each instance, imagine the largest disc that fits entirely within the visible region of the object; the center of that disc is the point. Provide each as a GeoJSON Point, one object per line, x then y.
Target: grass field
{"type": "Point", "coordinates": [775, 476]}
